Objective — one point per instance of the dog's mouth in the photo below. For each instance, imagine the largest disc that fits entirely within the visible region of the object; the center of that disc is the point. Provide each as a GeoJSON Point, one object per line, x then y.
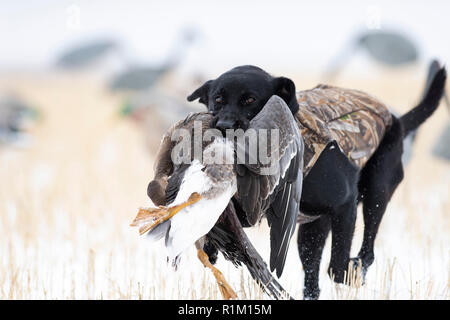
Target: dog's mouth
{"type": "Point", "coordinates": [228, 123]}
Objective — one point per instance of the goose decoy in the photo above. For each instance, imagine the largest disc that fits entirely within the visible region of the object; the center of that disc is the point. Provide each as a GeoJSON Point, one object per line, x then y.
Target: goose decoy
{"type": "Point", "coordinates": [197, 198]}
{"type": "Point", "coordinates": [441, 148]}
{"type": "Point", "coordinates": [155, 107]}
{"type": "Point", "coordinates": [86, 54]}
{"type": "Point", "coordinates": [144, 77]}
{"type": "Point", "coordinates": [389, 48]}
{"type": "Point", "coordinates": [14, 117]}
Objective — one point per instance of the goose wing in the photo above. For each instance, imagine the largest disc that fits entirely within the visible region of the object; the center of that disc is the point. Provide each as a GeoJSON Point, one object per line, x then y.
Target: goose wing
{"type": "Point", "coordinates": [272, 184]}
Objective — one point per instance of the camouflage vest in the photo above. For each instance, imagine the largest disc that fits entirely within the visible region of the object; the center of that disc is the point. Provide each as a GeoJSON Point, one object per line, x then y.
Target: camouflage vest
{"type": "Point", "coordinates": [354, 119]}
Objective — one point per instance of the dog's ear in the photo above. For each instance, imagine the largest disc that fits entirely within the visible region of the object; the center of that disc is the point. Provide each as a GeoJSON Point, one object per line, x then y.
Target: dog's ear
{"type": "Point", "coordinates": [201, 93]}
{"type": "Point", "coordinates": [285, 89]}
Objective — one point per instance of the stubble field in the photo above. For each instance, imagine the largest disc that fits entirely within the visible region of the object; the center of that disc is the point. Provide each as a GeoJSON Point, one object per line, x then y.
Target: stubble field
{"type": "Point", "coordinates": [66, 203]}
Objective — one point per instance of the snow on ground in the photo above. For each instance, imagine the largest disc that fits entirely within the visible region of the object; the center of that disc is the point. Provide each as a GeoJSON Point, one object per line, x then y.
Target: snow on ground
{"type": "Point", "coordinates": [67, 201]}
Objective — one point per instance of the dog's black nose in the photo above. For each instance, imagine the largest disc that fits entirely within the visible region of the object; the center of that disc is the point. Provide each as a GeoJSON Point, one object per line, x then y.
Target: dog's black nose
{"type": "Point", "coordinates": [223, 124]}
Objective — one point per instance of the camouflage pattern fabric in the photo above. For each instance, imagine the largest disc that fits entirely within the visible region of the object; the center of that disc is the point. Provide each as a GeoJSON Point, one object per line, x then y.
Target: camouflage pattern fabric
{"type": "Point", "coordinates": [352, 118]}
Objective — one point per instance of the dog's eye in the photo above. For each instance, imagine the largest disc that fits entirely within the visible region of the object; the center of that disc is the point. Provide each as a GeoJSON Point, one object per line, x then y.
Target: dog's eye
{"type": "Point", "coordinates": [249, 100]}
{"type": "Point", "coordinates": [218, 99]}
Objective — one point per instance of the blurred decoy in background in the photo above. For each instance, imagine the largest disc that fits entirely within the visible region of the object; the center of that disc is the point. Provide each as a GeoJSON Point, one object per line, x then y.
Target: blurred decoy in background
{"type": "Point", "coordinates": [441, 149]}
{"type": "Point", "coordinates": [154, 112]}
{"type": "Point", "coordinates": [169, 108]}
{"type": "Point", "coordinates": [85, 54]}
{"type": "Point", "coordinates": [387, 47]}
{"type": "Point", "coordinates": [155, 108]}
{"type": "Point", "coordinates": [144, 77]}
{"type": "Point", "coordinates": [15, 117]}
{"type": "Point", "coordinates": [125, 73]}
{"type": "Point", "coordinates": [194, 196]}
{"type": "Point", "coordinates": [102, 58]}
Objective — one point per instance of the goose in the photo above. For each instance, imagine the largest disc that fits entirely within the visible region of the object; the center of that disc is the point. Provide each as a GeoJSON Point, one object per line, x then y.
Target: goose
{"type": "Point", "coordinates": [196, 198]}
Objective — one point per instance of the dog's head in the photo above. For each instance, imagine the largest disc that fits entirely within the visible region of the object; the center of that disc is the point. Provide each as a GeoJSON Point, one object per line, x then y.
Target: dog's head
{"type": "Point", "coordinates": [238, 95]}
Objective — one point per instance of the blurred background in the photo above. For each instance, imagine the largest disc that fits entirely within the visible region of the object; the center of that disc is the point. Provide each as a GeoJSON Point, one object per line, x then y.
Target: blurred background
{"type": "Point", "coordinates": [87, 88]}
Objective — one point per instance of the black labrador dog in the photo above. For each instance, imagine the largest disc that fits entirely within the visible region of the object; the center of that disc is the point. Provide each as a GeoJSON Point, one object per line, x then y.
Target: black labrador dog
{"type": "Point", "coordinates": [334, 187]}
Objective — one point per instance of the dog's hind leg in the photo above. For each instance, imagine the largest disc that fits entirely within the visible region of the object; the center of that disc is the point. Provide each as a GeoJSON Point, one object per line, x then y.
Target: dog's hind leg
{"type": "Point", "coordinates": [379, 179]}
{"type": "Point", "coordinates": [374, 206]}
{"type": "Point", "coordinates": [311, 240]}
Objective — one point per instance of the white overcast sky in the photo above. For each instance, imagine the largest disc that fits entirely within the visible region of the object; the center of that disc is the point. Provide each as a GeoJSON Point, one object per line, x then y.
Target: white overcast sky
{"type": "Point", "coordinates": [281, 35]}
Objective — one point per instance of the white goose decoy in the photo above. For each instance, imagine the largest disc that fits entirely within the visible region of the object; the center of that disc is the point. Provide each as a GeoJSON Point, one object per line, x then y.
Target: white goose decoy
{"type": "Point", "coordinates": [193, 196]}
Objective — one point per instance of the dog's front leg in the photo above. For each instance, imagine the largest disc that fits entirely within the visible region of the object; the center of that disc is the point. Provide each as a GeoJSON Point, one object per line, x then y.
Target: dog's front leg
{"type": "Point", "coordinates": [311, 240]}
{"type": "Point", "coordinates": [342, 229]}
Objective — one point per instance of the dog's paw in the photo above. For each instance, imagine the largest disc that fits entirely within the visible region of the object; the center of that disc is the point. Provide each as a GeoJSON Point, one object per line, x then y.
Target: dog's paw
{"type": "Point", "coordinates": [311, 293]}
{"type": "Point", "coordinates": [358, 269]}
{"type": "Point", "coordinates": [337, 275]}
{"type": "Point", "coordinates": [353, 276]}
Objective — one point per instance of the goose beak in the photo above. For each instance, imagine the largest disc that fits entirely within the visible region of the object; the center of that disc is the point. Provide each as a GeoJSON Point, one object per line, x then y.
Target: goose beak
{"type": "Point", "coordinates": [148, 218]}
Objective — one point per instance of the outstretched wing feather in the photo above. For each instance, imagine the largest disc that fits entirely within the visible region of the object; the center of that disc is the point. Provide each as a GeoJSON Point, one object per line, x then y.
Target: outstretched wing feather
{"type": "Point", "coordinates": [278, 191]}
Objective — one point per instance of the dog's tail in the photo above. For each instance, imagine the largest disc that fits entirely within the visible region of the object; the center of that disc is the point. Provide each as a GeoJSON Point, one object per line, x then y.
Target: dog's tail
{"type": "Point", "coordinates": [429, 103]}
